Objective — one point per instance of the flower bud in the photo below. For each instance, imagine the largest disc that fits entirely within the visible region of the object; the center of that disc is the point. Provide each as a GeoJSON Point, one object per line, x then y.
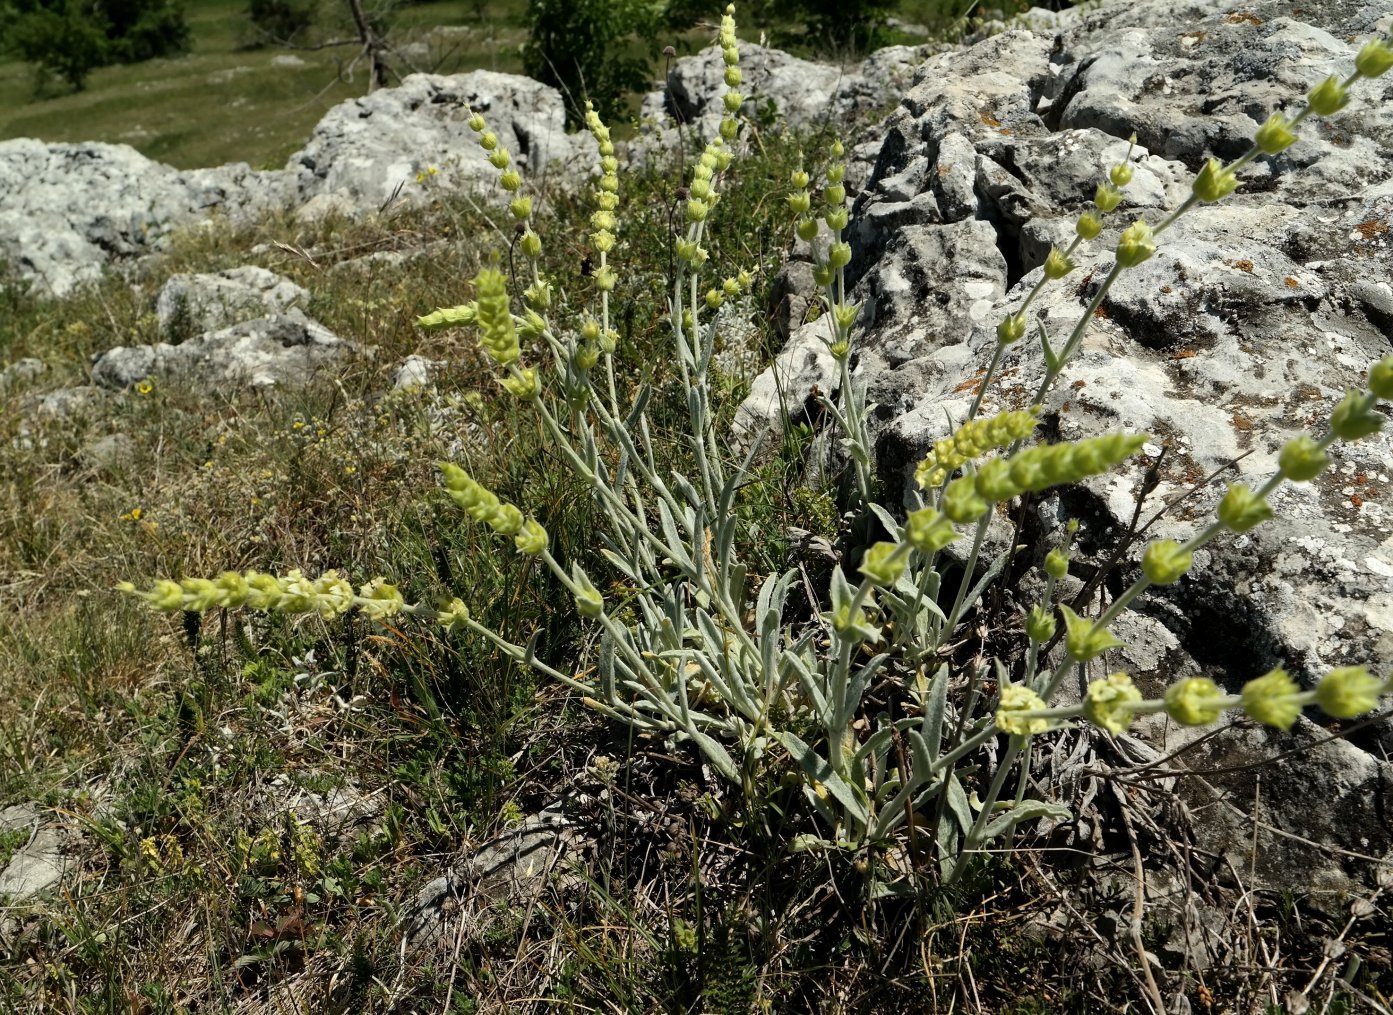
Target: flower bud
{"type": "Point", "coordinates": [1057, 563]}
{"type": "Point", "coordinates": [994, 482]}
{"type": "Point", "coordinates": [1301, 459]}
{"type": "Point", "coordinates": [1019, 698]}
{"type": "Point", "coordinates": [1328, 97]}
{"type": "Point", "coordinates": [1107, 198]}
{"type": "Point", "coordinates": [1381, 378]}
{"type": "Point", "coordinates": [834, 195]}
{"type": "Point", "coordinates": [1275, 135]}
{"type": "Point", "coordinates": [836, 218]}
{"type": "Point", "coordinates": [531, 244]}
{"type": "Point", "coordinates": [732, 101]}
{"type": "Point", "coordinates": [961, 502]}
{"type": "Point", "coordinates": [1039, 624]}
{"type": "Point", "coordinates": [476, 122]}
{"type": "Point", "coordinates": [1214, 182]}
{"type": "Point", "coordinates": [806, 229]}
{"type": "Point", "coordinates": [1375, 57]}
{"type": "Point", "coordinates": [525, 384]}
{"type": "Point", "coordinates": [729, 129]}
{"type": "Point", "coordinates": [1165, 561]}
{"type": "Point", "coordinates": [883, 564]}
{"type": "Point", "coordinates": [1242, 509]}
{"type": "Point", "coordinates": [1354, 417]}
{"type": "Point", "coordinates": [589, 603]}
{"type": "Point", "coordinates": [839, 255]}
{"type": "Point", "coordinates": [799, 202]}
{"type": "Point", "coordinates": [1011, 330]}
{"type": "Point", "coordinates": [822, 275]}
{"type": "Point", "coordinates": [1135, 245]}
{"type": "Point", "coordinates": [532, 540]}
{"type": "Point", "coordinates": [378, 600]}
{"type": "Point", "coordinates": [500, 159]}
{"type": "Point", "coordinates": [1273, 699]}
{"type": "Point", "coordinates": [839, 351]}
{"type": "Point", "coordinates": [1088, 226]}
{"type": "Point", "coordinates": [928, 531]}
{"type": "Point", "coordinates": [732, 77]}
{"type": "Point", "coordinates": [605, 278]}
{"type": "Point", "coordinates": [1057, 265]}
{"type": "Point", "coordinates": [714, 299]}
{"type": "Point", "coordinates": [1084, 639]}
{"type": "Point", "coordinates": [488, 140]}
{"type": "Point", "coordinates": [521, 208]}
{"type": "Point", "coordinates": [1348, 692]}
{"type": "Point", "coordinates": [798, 179]}
{"type": "Point", "coordinates": [1107, 702]}
{"type": "Point", "coordinates": [1121, 174]}
{"type": "Point", "coordinates": [697, 209]}
{"type": "Point", "coordinates": [845, 314]}
{"type": "Point", "coordinates": [453, 616]}
{"type": "Point", "coordinates": [1194, 701]}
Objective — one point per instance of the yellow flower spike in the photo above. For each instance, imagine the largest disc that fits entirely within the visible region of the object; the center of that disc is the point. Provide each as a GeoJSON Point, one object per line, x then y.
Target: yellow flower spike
{"type": "Point", "coordinates": [494, 315]}
{"type": "Point", "coordinates": [1273, 699]}
{"type": "Point", "coordinates": [525, 384]}
{"type": "Point", "coordinates": [449, 317]}
{"type": "Point", "coordinates": [1019, 698]}
{"type": "Point", "coordinates": [961, 502]}
{"type": "Point", "coordinates": [165, 595]}
{"type": "Point", "coordinates": [1107, 703]}
{"type": "Point", "coordinates": [506, 520]}
{"type": "Point", "coordinates": [232, 589]}
{"type": "Point", "coordinates": [1194, 701]}
{"type": "Point", "coordinates": [333, 595]}
{"type": "Point", "coordinates": [263, 591]}
{"type": "Point", "coordinates": [200, 594]}
{"type": "Point", "coordinates": [1084, 639]}
{"type": "Point", "coordinates": [379, 600]}
{"type": "Point", "coordinates": [297, 593]}
{"type": "Point", "coordinates": [1348, 692]}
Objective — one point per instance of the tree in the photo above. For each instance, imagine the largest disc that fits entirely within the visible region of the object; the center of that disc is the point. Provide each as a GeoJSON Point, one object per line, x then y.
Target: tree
{"type": "Point", "coordinates": [71, 38]}
{"type": "Point", "coordinates": [584, 48]}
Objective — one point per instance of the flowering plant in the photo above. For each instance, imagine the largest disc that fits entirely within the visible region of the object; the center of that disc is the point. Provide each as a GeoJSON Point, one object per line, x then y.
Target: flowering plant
{"type": "Point", "coordinates": [703, 652]}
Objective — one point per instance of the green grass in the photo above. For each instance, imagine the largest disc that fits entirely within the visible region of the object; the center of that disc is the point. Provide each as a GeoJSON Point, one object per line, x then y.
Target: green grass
{"type": "Point", "coordinates": [224, 103]}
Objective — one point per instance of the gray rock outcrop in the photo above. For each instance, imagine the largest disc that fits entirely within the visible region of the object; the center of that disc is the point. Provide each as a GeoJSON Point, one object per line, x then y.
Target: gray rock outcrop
{"type": "Point", "coordinates": [370, 150]}
{"type": "Point", "coordinates": [779, 88]}
{"type": "Point", "coordinates": [1247, 326]}
{"type": "Point", "coordinates": [68, 210]}
{"type": "Point", "coordinates": [196, 304]}
{"type": "Point", "coordinates": [287, 348]}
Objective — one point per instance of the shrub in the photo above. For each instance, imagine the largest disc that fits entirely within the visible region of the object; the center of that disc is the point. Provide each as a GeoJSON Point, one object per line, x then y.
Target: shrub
{"type": "Point", "coordinates": [694, 646]}
{"type": "Point", "coordinates": [71, 38]}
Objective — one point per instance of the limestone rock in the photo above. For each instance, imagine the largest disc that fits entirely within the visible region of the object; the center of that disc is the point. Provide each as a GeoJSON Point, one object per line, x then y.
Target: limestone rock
{"type": "Point", "coordinates": [194, 304]}
{"type": "Point", "coordinates": [501, 877]}
{"type": "Point", "coordinates": [41, 862]}
{"type": "Point", "coordinates": [67, 210]}
{"type": "Point", "coordinates": [369, 151]}
{"type": "Point", "coordinates": [287, 348]}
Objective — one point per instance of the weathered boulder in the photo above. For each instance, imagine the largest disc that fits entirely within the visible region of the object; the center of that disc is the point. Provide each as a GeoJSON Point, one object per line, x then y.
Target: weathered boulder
{"type": "Point", "coordinates": [42, 861]}
{"type": "Point", "coordinates": [287, 348]}
{"type": "Point", "coordinates": [67, 210]}
{"type": "Point", "coordinates": [195, 304]}
{"type": "Point", "coordinates": [371, 150]}
{"type": "Point", "coordinates": [1247, 326]}
{"type": "Point", "coordinates": [779, 88]}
